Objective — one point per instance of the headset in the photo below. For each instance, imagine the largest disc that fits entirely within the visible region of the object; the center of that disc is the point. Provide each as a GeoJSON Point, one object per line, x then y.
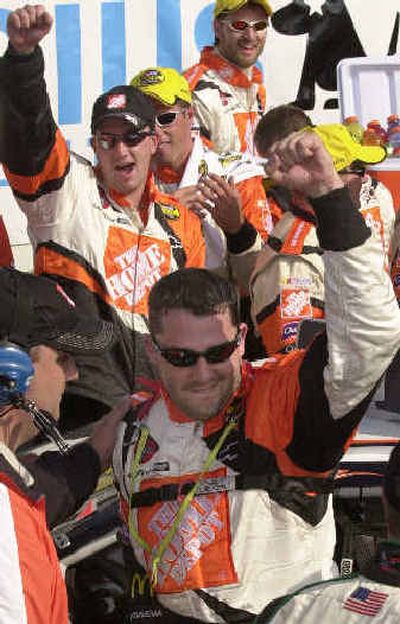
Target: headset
{"type": "Point", "coordinates": [16, 373]}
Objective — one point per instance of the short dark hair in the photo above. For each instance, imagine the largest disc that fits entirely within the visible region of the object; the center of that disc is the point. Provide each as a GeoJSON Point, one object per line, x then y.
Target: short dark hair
{"type": "Point", "coordinates": [277, 124]}
{"type": "Point", "coordinates": [199, 291]}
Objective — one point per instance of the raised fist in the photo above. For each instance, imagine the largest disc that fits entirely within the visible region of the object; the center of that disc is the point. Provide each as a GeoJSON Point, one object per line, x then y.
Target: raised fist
{"type": "Point", "coordinates": [27, 26]}
{"type": "Point", "coordinates": [301, 163]}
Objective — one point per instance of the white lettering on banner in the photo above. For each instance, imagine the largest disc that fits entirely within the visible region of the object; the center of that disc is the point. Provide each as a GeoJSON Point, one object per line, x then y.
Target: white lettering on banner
{"type": "Point", "coordinates": [140, 266]}
{"type": "Point", "coordinates": [197, 530]}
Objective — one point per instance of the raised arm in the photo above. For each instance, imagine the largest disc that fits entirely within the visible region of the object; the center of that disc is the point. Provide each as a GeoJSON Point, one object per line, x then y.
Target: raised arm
{"type": "Point", "coordinates": [362, 316]}
{"type": "Point", "coordinates": [33, 151]}
{"type": "Point", "coordinates": [27, 26]}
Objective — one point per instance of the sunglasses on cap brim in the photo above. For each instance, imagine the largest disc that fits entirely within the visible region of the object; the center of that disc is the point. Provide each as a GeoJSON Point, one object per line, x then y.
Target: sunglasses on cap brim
{"type": "Point", "coordinates": [183, 358]}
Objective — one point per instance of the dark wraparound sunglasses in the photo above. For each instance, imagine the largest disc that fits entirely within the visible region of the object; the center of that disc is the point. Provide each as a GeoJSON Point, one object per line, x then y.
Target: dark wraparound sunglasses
{"type": "Point", "coordinates": [130, 139]}
{"type": "Point", "coordinates": [188, 357]}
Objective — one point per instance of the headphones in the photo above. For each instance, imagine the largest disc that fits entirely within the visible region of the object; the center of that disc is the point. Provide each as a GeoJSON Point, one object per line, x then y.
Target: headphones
{"type": "Point", "coordinates": [16, 372]}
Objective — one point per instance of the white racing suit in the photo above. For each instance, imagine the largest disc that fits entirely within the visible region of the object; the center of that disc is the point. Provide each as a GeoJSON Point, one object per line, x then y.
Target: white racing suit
{"type": "Point", "coordinates": [247, 176]}
{"type": "Point", "coordinates": [373, 597]}
{"type": "Point", "coordinates": [227, 103]}
{"type": "Point", "coordinates": [261, 522]}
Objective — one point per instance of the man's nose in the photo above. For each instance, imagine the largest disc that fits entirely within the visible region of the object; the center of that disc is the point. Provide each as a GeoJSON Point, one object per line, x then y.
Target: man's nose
{"type": "Point", "coordinates": [120, 147]}
{"type": "Point", "coordinates": [159, 132]}
{"type": "Point", "coordinates": [250, 34]}
{"type": "Point", "coordinates": [202, 370]}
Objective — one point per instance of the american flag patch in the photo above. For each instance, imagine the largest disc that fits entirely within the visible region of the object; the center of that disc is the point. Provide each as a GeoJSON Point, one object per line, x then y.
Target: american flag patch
{"type": "Point", "coordinates": [365, 601]}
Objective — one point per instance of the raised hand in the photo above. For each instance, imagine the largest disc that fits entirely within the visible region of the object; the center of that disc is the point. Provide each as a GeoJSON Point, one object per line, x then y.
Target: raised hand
{"type": "Point", "coordinates": [225, 202]}
{"type": "Point", "coordinates": [27, 26]}
{"type": "Point", "coordinates": [301, 163]}
{"type": "Point", "coordinates": [192, 198]}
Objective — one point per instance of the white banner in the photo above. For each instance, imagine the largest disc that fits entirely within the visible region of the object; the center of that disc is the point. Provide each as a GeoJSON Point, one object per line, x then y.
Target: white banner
{"type": "Point", "coordinates": [96, 44]}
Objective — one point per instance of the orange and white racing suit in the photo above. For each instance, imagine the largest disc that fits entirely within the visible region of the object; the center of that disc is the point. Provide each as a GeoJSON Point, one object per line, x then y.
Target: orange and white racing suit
{"type": "Point", "coordinates": [228, 514]}
{"type": "Point", "coordinates": [84, 232]}
{"type": "Point", "coordinates": [247, 176]}
{"type": "Point", "coordinates": [287, 285]}
{"type": "Point", "coordinates": [32, 590]}
{"type": "Point", "coordinates": [227, 103]}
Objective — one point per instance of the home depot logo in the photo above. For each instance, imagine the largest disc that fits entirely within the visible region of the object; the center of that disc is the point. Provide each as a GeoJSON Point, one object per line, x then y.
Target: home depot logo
{"type": "Point", "coordinates": [135, 271]}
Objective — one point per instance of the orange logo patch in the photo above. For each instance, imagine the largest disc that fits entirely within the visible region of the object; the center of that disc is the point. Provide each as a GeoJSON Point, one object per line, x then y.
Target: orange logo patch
{"type": "Point", "coordinates": [199, 553]}
{"type": "Point", "coordinates": [373, 219]}
{"type": "Point", "coordinates": [295, 303]}
{"type": "Point", "coordinates": [133, 265]}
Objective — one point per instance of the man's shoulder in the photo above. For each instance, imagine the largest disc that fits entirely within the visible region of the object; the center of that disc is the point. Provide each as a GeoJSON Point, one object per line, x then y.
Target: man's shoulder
{"type": "Point", "coordinates": [240, 166]}
{"type": "Point", "coordinates": [236, 164]}
{"type": "Point", "coordinates": [263, 369]}
{"type": "Point", "coordinates": [209, 73]}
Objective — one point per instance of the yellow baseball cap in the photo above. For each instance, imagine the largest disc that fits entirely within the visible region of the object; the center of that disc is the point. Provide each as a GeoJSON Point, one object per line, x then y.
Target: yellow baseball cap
{"type": "Point", "coordinates": [164, 84]}
{"type": "Point", "coordinates": [343, 149]}
{"type": "Point", "coordinates": [235, 5]}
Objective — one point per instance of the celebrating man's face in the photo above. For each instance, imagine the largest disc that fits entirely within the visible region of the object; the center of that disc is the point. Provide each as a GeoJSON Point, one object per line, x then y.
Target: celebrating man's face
{"type": "Point", "coordinates": [201, 390]}
{"type": "Point", "coordinates": [241, 34]}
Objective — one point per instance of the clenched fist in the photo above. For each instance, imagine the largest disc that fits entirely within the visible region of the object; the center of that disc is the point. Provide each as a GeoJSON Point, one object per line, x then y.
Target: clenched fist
{"type": "Point", "coordinates": [27, 26]}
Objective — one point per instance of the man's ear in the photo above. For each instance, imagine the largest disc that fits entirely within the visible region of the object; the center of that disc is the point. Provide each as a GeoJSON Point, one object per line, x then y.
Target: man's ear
{"type": "Point", "coordinates": [154, 143]}
{"type": "Point", "coordinates": [217, 27]}
{"type": "Point", "coordinates": [93, 143]}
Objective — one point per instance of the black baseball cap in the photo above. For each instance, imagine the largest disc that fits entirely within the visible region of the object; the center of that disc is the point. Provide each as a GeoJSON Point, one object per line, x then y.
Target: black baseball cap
{"type": "Point", "coordinates": [127, 103]}
{"type": "Point", "coordinates": [36, 310]}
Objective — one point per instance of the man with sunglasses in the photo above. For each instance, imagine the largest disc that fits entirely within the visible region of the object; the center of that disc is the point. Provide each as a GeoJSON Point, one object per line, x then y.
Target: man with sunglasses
{"type": "Point", "coordinates": [287, 285]}
{"type": "Point", "coordinates": [228, 94]}
{"type": "Point", "coordinates": [106, 226]}
{"type": "Point", "coordinates": [225, 474]}
{"type": "Point", "coordinates": [225, 188]}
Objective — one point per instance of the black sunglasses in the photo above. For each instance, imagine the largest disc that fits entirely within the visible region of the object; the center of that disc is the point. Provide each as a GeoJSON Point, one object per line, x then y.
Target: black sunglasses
{"type": "Point", "coordinates": [188, 357]}
{"type": "Point", "coordinates": [166, 119]}
{"type": "Point", "coordinates": [130, 139]}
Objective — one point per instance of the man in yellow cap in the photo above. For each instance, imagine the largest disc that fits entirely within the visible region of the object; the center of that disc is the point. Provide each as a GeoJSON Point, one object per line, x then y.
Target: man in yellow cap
{"type": "Point", "coordinates": [288, 284]}
{"type": "Point", "coordinates": [228, 94]}
{"type": "Point", "coordinates": [224, 189]}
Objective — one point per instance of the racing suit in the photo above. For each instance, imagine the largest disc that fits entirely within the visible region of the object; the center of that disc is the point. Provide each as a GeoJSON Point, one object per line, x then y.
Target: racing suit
{"type": "Point", "coordinates": [227, 104]}
{"type": "Point", "coordinates": [287, 285]}
{"type": "Point", "coordinates": [83, 232]}
{"type": "Point", "coordinates": [247, 176]}
{"type": "Point", "coordinates": [373, 596]}
{"type": "Point", "coordinates": [32, 590]}
{"type": "Point", "coordinates": [259, 518]}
